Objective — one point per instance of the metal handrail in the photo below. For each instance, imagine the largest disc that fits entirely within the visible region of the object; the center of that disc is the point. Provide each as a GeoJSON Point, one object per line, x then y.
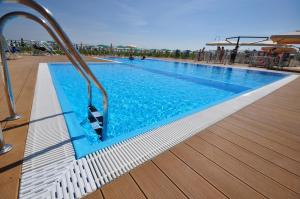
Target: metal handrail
{"type": "Point", "coordinates": [47, 14]}
{"type": "Point", "coordinates": [7, 82]}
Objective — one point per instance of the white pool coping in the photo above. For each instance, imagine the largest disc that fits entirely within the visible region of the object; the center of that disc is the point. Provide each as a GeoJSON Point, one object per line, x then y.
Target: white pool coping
{"type": "Point", "coordinates": [50, 169]}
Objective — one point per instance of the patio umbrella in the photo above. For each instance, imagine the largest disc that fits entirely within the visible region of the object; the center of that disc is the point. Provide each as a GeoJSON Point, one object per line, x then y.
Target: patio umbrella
{"type": "Point", "coordinates": [287, 38]}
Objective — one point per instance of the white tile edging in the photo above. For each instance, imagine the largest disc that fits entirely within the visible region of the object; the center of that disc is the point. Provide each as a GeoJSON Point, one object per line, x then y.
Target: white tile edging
{"type": "Point", "coordinates": [52, 171]}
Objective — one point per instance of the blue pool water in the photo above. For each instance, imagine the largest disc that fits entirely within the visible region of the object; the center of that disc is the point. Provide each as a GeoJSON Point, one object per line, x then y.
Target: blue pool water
{"type": "Point", "coordinates": [145, 94]}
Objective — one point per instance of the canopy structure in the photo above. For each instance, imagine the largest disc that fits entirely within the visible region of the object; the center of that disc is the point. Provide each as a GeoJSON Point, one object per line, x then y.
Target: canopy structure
{"type": "Point", "coordinates": [269, 43]}
{"type": "Point", "coordinates": [287, 38]}
{"type": "Point", "coordinates": [263, 42]}
{"type": "Point", "coordinates": [221, 43]}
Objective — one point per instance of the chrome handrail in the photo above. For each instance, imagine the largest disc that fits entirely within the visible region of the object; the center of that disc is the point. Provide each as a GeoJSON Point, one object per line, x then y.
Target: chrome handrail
{"type": "Point", "coordinates": [7, 83]}
{"type": "Point", "coordinates": [11, 15]}
{"type": "Point", "coordinates": [47, 14]}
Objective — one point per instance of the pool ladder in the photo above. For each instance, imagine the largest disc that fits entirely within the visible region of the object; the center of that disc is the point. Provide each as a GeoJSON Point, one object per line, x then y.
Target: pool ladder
{"type": "Point", "coordinates": [97, 120]}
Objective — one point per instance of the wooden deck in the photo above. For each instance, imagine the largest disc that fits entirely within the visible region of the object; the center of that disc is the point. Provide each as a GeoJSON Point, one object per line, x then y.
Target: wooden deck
{"type": "Point", "coordinates": [254, 153]}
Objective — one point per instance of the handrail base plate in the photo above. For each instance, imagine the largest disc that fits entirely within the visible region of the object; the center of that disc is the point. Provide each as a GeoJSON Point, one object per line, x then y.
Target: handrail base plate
{"type": "Point", "coordinates": [13, 117]}
{"type": "Point", "coordinates": [6, 148]}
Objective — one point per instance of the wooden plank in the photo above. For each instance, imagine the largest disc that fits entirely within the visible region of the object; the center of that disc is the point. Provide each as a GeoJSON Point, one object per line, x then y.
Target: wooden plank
{"type": "Point", "coordinates": [18, 83]}
{"type": "Point", "coordinates": [289, 91]}
{"type": "Point", "coordinates": [271, 119]}
{"type": "Point", "coordinates": [250, 176]}
{"type": "Point", "coordinates": [213, 173]}
{"type": "Point", "coordinates": [278, 103]}
{"type": "Point", "coordinates": [95, 195]}
{"type": "Point", "coordinates": [186, 179]}
{"type": "Point", "coordinates": [11, 162]}
{"type": "Point", "coordinates": [289, 100]}
{"type": "Point", "coordinates": [16, 73]}
{"type": "Point", "coordinates": [154, 183]}
{"type": "Point", "coordinates": [268, 154]}
{"type": "Point", "coordinates": [289, 140]}
{"type": "Point", "coordinates": [267, 130]}
{"type": "Point", "coordinates": [24, 100]}
{"type": "Point", "coordinates": [284, 118]}
{"type": "Point", "coordinates": [123, 187]}
{"type": "Point", "coordinates": [288, 152]}
{"type": "Point", "coordinates": [282, 114]}
{"type": "Point", "coordinates": [9, 190]}
{"type": "Point", "coordinates": [267, 168]}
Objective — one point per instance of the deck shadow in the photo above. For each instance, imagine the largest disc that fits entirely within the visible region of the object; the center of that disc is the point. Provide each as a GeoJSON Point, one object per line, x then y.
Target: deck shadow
{"type": "Point", "coordinates": [33, 121]}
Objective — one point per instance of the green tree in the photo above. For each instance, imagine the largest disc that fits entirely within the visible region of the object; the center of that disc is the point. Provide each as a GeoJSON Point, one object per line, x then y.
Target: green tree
{"type": "Point", "coordinates": [22, 43]}
{"type": "Point", "coordinates": [177, 53]}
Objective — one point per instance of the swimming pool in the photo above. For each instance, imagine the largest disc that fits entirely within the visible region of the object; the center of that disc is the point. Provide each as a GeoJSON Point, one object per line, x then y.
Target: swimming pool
{"type": "Point", "coordinates": [146, 94]}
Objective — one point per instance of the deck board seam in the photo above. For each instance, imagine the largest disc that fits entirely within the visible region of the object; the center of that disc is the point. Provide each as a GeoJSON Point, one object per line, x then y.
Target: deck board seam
{"type": "Point", "coordinates": [137, 184]}
{"type": "Point", "coordinates": [19, 94]}
{"type": "Point", "coordinates": [268, 122]}
{"type": "Point", "coordinates": [258, 143]}
{"type": "Point", "coordinates": [205, 177]}
{"type": "Point", "coordinates": [281, 132]}
{"type": "Point", "coordinates": [101, 192]}
{"type": "Point", "coordinates": [279, 108]}
{"type": "Point", "coordinates": [227, 171]}
{"type": "Point", "coordinates": [15, 76]}
{"type": "Point", "coordinates": [169, 178]}
{"type": "Point", "coordinates": [248, 165]}
{"type": "Point", "coordinates": [254, 153]}
{"type": "Point", "coordinates": [266, 137]}
{"type": "Point", "coordinates": [197, 173]}
{"type": "Point", "coordinates": [259, 135]}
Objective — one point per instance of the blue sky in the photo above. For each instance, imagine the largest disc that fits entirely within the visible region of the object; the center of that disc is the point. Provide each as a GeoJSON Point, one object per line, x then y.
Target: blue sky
{"type": "Point", "coordinates": [182, 24]}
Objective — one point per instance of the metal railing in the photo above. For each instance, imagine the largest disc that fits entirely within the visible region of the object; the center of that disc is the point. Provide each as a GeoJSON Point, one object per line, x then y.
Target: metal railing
{"type": "Point", "coordinates": [69, 49]}
{"type": "Point", "coordinates": [7, 82]}
{"type": "Point", "coordinates": [264, 61]}
{"type": "Point", "coordinates": [252, 59]}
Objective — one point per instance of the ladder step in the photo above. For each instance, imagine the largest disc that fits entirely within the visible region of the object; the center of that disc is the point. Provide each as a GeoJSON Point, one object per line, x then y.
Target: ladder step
{"type": "Point", "coordinates": [96, 121]}
{"type": "Point", "coordinates": [95, 125]}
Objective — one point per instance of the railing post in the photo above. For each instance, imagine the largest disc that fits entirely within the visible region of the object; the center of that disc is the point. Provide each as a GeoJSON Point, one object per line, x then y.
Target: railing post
{"type": "Point", "coordinates": [4, 148]}
{"type": "Point", "coordinates": [7, 83]}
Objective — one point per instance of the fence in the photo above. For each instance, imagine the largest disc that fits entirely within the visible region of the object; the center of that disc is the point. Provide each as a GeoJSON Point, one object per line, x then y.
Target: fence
{"type": "Point", "coordinates": [251, 59]}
